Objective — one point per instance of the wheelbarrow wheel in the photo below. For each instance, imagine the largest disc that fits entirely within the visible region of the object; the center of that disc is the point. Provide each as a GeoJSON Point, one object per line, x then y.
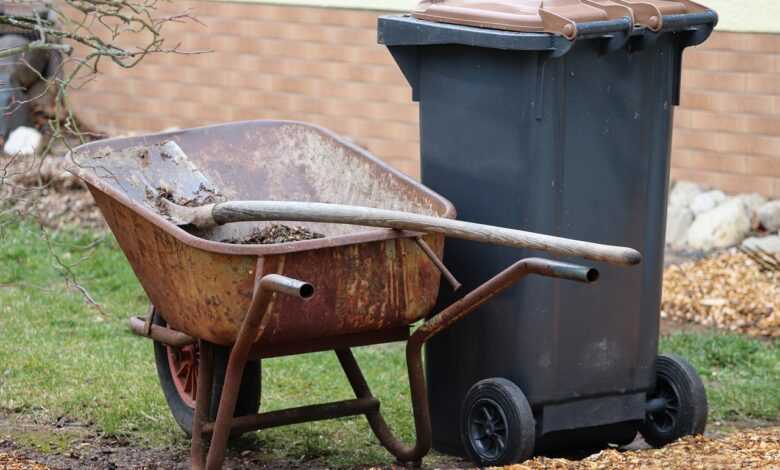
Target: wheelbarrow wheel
{"type": "Point", "coordinates": [177, 370]}
{"type": "Point", "coordinates": [497, 424]}
{"type": "Point", "coordinates": [678, 405]}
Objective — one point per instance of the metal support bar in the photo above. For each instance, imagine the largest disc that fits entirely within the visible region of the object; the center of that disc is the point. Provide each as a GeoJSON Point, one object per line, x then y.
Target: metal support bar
{"type": "Point", "coordinates": [161, 334]}
{"type": "Point", "coordinates": [494, 286]}
{"type": "Point", "coordinates": [149, 321]}
{"type": "Point", "coordinates": [422, 420]}
{"type": "Point", "coordinates": [426, 248]}
{"type": "Point", "coordinates": [286, 285]}
{"type": "Point", "coordinates": [303, 414]}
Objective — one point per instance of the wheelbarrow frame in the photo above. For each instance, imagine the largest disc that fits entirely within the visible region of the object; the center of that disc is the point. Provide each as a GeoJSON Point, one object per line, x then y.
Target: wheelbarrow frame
{"type": "Point", "coordinates": [248, 346]}
{"type": "Point", "coordinates": [218, 294]}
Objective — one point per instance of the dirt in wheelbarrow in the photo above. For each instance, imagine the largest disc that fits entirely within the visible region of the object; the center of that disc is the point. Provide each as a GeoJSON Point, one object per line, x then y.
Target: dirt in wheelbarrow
{"type": "Point", "coordinates": [277, 233]}
{"type": "Point", "coordinates": [204, 195]}
{"type": "Point", "coordinates": [270, 235]}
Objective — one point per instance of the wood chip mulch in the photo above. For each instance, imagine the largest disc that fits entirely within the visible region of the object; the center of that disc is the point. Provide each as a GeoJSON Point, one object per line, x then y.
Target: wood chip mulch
{"type": "Point", "coordinates": [757, 448]}
{"type": "Point", "coordinates": [11, 462]}
{"type": "Point", "coordinates": [728, 291]}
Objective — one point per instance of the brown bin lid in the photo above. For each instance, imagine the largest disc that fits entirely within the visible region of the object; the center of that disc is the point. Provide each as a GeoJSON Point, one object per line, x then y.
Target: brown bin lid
{"type": "Point", "coordinates": [550, 16]}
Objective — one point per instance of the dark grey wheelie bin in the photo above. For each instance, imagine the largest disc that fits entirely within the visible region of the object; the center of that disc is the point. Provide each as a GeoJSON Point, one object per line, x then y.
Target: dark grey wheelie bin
{"type": "Point", "coordinates": [562, 126]}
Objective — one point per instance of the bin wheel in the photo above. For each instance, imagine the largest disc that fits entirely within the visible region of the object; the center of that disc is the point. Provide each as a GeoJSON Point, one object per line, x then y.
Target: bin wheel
{"type": "Point", "coordinates": [177, 369]}
{"type": "Point", "coordinates": [678, 405]}
{"type": "Point", "coordinates": [497, 424]}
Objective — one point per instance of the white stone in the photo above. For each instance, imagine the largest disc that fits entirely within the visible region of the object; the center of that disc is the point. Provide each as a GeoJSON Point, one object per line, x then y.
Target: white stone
{"type": "Point", "coordinates": [724, 226]}
{"type": "Point", "coordinates": [683, 193]}
{"type": "Point", "coordinates": [769, 215]}
{"type": "Point", "coordinates": [678, 221]}
{"type": "Point", "coordinates": [707, 201]}
{"type": "Point", "coordinates": [23, 141]}
{"type": "Point", "coordinates": [753, 201]}
{"type": "Point", "coordinates": [770, 244]}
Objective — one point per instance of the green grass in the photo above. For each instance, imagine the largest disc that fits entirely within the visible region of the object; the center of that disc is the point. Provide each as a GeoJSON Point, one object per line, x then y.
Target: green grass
{"type": "Point", "coordinates": [60, 357]}
{"type": "Point", "coordinates": [742, 375]}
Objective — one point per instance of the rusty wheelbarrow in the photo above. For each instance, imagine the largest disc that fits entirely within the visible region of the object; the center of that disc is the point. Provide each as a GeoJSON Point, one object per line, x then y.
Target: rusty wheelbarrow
{"type": "Point", "coordinates": [218, 308]}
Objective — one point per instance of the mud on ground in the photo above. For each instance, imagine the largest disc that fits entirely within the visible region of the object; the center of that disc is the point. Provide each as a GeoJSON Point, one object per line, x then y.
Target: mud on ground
{"type": "Point", "coordinates": [29, 444]}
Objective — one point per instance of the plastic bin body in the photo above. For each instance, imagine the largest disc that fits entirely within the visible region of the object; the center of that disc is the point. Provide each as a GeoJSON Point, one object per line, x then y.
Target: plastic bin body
{"type": "Point", "coordinates": [573, 139]}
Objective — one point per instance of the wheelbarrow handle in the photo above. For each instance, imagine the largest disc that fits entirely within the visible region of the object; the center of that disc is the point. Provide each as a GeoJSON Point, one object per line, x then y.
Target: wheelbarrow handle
{"type": "Point", "coordinates": [445, 319]}
{"type": "Point", "coordinates": [255, 211]}
{"type": "Point", "coordinates": [499, 283]}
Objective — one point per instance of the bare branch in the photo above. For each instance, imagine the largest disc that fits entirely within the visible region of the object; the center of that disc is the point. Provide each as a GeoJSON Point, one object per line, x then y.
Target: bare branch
{"type": "Point", "coordinates": [12, 51]}
{"type": "Point", "coordinates": [79, 36]}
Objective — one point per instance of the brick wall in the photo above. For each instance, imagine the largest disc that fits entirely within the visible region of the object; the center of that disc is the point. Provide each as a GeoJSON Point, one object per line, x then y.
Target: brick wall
{"type": "Point", "coordinates": [727, 131]}
{"type": "Point", "coordinates": [269, 62]}
{"type": "Point", "coordinates": [324, 66]}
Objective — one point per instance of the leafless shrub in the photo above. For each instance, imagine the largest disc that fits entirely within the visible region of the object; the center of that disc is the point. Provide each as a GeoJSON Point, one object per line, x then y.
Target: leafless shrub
{"type": "Point", "coordinates": [76, 37]}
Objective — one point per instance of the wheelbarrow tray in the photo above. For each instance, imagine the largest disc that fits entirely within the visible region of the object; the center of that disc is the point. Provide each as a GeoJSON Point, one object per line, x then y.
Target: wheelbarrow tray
{"type": "Point", "coordinates": [368, 280]}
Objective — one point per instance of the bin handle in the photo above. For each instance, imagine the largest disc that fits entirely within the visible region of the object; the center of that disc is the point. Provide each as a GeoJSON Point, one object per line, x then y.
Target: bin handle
{"type": "Point", "coordinates": [688, 20]}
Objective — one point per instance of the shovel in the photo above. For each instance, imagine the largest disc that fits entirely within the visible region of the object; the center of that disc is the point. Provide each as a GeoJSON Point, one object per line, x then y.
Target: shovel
{"type": "Point", "coordinates": [212, 215]}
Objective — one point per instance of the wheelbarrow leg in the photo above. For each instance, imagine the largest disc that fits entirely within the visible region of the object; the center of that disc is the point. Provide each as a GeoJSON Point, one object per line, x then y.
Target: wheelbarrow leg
{"type": "Point", "coordinates": [252, 330]}
{"type": "Point", "coordinates": [227, 407]}
{"type": "Point", "coordinates": [405, 454]}
{"type": "Point", "coordinates": [433, 326]}
{"type": "Point", "coordinates": [202, 401]}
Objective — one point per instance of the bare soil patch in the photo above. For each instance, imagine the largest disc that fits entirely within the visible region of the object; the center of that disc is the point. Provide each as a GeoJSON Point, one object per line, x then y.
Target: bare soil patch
{"type": "Point", "coordinates": [27, 444]}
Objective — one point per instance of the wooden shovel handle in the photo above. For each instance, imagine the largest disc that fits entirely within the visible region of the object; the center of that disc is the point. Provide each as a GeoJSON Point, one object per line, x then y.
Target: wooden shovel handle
{"type": "Point", "coordinates": [255, 211]}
